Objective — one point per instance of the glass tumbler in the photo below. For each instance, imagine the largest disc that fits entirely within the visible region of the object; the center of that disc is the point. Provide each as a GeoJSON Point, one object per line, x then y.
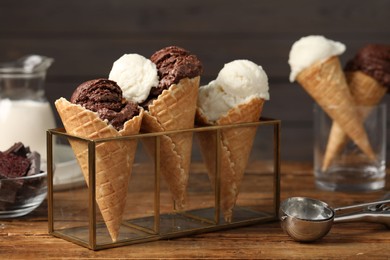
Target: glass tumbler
{"type": "Point", "coordinates": [347, 167]}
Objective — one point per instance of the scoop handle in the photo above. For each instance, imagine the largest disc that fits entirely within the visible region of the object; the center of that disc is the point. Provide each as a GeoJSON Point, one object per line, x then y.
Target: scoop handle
{"type": "Point", "coordinates": [368, 204]}
{"type": "Point", "coordinates": [374, 217]}
{"type": "Point", "coordinates": [373, 212]}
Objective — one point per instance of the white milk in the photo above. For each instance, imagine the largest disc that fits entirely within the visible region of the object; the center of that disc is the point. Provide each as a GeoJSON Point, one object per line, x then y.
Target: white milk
{"type": "Point", "coordinates": [25, 121]}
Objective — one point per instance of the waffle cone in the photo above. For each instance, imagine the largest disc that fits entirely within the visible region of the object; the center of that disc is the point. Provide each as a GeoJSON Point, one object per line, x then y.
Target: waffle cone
{"type": "Point", "coordinates": [366, 91]}
{"type": "Point", "coordinates": [174, 110]}
{"type": "Point", "coordinates": [236, 145]}
{"type": "Point", "coordinates": [326, 83]}
{"type": "Point", "coordinates": [114, 159]}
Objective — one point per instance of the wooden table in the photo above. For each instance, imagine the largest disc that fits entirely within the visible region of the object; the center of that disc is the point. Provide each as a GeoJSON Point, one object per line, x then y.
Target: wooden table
{"type": "Point", "coordinates": [27, 237]}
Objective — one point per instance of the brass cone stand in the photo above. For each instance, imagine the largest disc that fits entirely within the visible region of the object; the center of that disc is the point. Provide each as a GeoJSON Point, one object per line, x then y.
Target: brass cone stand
{"type": "Point", "coordinates": [161, 225]}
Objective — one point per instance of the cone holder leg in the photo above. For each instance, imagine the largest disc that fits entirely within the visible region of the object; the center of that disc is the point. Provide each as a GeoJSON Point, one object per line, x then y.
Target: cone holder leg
{"type": "Point", "coordinates": [156, 224]}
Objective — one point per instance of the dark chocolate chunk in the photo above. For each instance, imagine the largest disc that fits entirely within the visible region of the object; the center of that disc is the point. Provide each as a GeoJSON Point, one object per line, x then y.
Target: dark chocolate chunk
{"type": "Point", "coordinates": [35, 167]}
{"type": "Point", "coordinates": [12, 166]}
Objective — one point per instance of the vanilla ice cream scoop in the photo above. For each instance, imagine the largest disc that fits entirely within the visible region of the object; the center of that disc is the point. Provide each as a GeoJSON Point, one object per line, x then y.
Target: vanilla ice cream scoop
{"type": "Point", "coordinates": [135, 75]}
{"type": "Point", "coordinates": [238, 82]}
{"type": "Point", "coordinates": [311, 49]}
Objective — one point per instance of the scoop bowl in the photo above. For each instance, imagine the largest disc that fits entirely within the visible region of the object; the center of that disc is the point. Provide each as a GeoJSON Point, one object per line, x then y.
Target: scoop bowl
{"type": "Point", "coordinates": [305, 219]}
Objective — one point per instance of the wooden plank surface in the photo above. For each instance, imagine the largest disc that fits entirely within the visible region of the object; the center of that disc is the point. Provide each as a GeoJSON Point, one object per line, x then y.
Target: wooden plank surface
{"type": "Point", "coordinates": [27, 238]}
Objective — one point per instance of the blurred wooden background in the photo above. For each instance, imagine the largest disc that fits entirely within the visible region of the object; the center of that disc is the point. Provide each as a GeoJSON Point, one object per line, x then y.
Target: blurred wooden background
{"type": "Point", "coordinates": [86, 37]}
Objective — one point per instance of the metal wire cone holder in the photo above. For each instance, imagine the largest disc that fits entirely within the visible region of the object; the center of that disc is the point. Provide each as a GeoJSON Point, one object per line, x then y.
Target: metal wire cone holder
{"type": "Point", "coordinates": [155, 219]}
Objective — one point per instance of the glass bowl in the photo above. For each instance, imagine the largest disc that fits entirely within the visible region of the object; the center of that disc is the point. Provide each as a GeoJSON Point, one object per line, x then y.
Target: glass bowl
{"type": "Point", "coordinates": [21, 195]}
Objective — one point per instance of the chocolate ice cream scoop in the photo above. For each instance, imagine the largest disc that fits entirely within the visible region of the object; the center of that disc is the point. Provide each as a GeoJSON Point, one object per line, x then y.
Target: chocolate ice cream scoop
{"type": "Point", "coordinates": [373, 60]}
{"type": "Point", "coordinates": [173, 64]}
{"type": "Point", "coordinates": [105, 97]}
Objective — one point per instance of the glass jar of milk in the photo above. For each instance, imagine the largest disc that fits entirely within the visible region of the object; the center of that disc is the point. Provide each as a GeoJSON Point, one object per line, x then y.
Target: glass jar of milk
{"type": "Point", "coordinates": [25, 114]}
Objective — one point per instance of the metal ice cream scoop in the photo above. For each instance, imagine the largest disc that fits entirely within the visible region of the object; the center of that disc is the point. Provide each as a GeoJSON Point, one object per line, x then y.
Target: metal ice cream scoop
{"type": "Point", "coordinates": [306, 220]}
